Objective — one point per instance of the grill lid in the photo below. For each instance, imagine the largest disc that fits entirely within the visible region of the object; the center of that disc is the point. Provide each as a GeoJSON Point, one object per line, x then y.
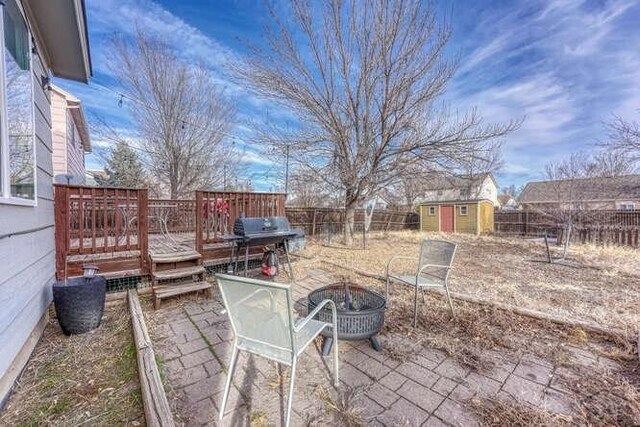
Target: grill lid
{"type": "Point", "coordinates": [261, 226]}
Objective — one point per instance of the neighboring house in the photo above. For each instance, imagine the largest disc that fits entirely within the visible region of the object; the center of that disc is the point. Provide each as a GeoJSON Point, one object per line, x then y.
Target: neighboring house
{"type": "Point", "coordinates": [619, 193]}
{"type": "Point", "coordinates": [507, 203]}
{"type": "Point", "coordinates": [380, 203]}
{"type": "Point", "coordinates": [39, 38]}
{"type": "Point", "coordinates": [456, 216]}
{"type": "Point", "coordinates": [481, 186]}
{"type": "Point", "coordinates": [92, 176]}
{"type": "Point", "coordinates": [70, 137]}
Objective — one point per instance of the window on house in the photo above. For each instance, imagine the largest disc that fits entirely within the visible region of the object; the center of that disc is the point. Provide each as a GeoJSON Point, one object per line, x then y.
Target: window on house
{"type": "Point", "coordinates": [17, 155]}
{"type": "Point", "coordinates": [627, 206]}
{"type": "Point", "coordinates": [463, 210]}
{"type": "Point", "coordinates": [432, 211]}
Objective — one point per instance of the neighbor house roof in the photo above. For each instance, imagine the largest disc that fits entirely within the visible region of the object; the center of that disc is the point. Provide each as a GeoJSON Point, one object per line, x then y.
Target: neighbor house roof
{"type": "Point", "coordinates": [60, 28]}
{"type": "Point", "coordinates": [458, 181]}
{"type": "Point", "coordinates": [585, 189]}
{"type": "Point", "coordinates": [504, 198]}
{"type": "Point", "coordinates": [74, 105]}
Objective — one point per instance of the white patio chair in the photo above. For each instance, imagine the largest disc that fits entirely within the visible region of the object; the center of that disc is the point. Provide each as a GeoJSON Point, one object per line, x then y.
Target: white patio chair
{"type": "Point", "coordinates": [261, 315]}
{"type": "Point", "coordinates": [434, 264]}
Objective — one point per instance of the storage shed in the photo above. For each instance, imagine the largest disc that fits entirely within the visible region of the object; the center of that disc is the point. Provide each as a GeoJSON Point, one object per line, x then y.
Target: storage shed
{"type": "Point", "coordinates": [457, 216]}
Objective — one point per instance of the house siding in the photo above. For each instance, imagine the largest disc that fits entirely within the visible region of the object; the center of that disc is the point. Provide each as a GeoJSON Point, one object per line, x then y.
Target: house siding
{"type": "Point", "coordinates": [68, 152]}
{"type": "Point", "coordinates": [429, 223]}
{"type": "Point", "coordinates": [27, 250]}
{"type": "Point", "coordinates": [485, 221]}
{"type": "Point", "coordinates": [466, 223]}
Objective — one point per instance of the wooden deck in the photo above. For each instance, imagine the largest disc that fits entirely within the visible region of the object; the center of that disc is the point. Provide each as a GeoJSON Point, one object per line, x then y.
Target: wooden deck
{"type": "Point", "coordinates": [118, 229]}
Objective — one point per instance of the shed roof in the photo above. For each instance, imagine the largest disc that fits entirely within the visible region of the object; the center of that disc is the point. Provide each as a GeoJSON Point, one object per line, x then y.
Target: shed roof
{"type": "Point", "coordinates": [598, 189]}
{"type": "Point", "coordinates": [454, 202]}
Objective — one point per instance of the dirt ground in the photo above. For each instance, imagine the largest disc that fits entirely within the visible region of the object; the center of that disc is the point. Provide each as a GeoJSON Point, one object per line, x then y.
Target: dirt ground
{"type": "Point", "coordinates": [597, 285]}
{"type": "Point", "coordinates": [88, 379]}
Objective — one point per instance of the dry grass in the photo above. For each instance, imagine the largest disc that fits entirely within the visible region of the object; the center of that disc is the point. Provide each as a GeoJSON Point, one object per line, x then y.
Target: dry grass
{"type": "Point", "coordinates": [603, 396]}
{"type": "Point", "coordinates": [498, 413]}
{"type": "Point", "coordinates": [343, 405]}
{"type": "Point", "coordinates": [88, 379]}
{"type": "Point", "coordinates": [596, 284]}
{"type": "Point", "coordinates": [586, 287]}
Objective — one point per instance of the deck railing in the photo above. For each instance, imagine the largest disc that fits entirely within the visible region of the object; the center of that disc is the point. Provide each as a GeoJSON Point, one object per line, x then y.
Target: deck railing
{"type": "Point", "coordinates": [117, 222]}
{"type": "Point", "coordinates": [92, 220]}
{"type": "Point", "coordinates": [217, 211]}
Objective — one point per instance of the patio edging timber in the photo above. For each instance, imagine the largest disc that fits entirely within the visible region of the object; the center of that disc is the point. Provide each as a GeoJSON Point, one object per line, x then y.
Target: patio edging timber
{"type": "Point", "coordinates": [156, 406]}
{"type": "Point", "coordinates": [505, 307]}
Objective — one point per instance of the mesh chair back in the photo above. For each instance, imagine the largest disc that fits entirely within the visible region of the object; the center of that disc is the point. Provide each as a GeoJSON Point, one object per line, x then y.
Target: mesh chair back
{"type": "Point", "coordinates": [260, 312]}
{"type": "Point", "coordinates": [438, 252]}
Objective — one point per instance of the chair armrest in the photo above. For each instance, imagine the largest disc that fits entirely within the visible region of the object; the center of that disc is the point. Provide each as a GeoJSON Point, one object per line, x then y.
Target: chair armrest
{"type": "Point", "coordinates": [421, 269]}
{"type": "Point", "coordinates": [397, 257]}
{"type": "Point", "coordinates": [334, 313]}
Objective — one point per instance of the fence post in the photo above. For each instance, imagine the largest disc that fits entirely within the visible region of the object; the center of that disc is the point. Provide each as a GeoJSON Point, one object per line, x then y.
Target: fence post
{"type": "Point", "coordinates": [199, 220]}
{"type": "Point", "coordinates": [60, 228]}
{"type": "Point", "coordinates": [143, 230]}
{"type": "Point", "coordinates": [313, 223]}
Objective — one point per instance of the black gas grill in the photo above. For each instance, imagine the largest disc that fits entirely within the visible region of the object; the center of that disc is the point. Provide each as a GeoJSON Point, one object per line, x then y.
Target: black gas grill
{"type": "Point", "coordinates": [256, 231]}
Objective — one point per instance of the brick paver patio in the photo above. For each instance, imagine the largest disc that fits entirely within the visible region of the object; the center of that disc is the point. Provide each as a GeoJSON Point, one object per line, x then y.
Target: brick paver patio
{"type": "Point", "coordinates": [194, 340]}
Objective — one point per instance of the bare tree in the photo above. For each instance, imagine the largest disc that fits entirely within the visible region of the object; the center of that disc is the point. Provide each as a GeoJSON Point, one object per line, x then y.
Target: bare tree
{"type": "Point", "coordinates": [624, 136]}
{"type": "Point", "coordinates": [182, 117]}
{"type": "Point", "coordinates": [577, 183]}
{"type": "Point", "coordinates": [611, 163]}
{"type": "Point", "coordinates": [365, 80]}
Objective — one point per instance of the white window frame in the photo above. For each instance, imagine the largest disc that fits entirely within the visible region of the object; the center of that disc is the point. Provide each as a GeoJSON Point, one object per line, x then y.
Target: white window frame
{"type": "Point", "coordinates": [5, 179]}
{"type": "Point", "coordinates": [431, 211]}
{"type": "Point", "coordinates": [627, 206]}
{"type": "Point", "coordinates": [466, 210]}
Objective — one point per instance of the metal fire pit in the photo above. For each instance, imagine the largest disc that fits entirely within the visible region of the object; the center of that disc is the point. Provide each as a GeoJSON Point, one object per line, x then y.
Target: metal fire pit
{"type": "Point", "coordinates": [360, 313]}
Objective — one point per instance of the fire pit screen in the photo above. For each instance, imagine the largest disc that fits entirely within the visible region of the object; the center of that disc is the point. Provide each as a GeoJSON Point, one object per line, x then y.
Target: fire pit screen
{"type": "Point", "coordinates": [360, 313]}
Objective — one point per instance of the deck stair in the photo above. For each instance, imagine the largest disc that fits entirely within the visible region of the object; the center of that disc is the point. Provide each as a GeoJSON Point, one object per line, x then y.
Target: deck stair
{"type": "Point", "coordinates": [177, 273]}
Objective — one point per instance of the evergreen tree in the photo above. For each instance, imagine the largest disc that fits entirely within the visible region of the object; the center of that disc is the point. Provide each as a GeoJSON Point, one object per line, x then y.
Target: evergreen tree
{"type": "Point", "coordinates": [123, 169]}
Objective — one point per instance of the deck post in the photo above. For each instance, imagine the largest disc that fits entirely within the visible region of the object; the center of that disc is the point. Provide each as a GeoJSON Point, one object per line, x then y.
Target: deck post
{"type": "Point", "coordinates": [60, 229]}
{"type": "Point", "coordinates": [143, 230]}
{"type": "Point", "coordinates": [200, 220]}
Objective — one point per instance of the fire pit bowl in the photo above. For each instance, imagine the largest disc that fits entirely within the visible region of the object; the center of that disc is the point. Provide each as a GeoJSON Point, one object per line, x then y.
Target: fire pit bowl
{"type": "Point", "coordinates": [360, 313]}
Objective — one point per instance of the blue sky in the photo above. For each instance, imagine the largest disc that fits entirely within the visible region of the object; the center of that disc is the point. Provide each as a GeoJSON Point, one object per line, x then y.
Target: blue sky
{"type": "Point", "coordinates": [564, 65]}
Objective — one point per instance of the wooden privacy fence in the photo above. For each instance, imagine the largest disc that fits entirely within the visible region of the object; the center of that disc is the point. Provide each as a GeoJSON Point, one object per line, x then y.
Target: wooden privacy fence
{"type": "Point", "coordinates": [320, 220]}
{"type": "Point", "coordinates": [607, 227]}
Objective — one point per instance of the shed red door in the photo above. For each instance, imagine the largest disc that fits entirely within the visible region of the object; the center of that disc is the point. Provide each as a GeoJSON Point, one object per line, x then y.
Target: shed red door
{"type": "Point", "coordinates": [446, 219]}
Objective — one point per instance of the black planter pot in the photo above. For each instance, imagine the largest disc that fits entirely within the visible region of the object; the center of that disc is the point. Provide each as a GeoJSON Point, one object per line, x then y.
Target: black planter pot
{"type": "Point", "coordinates": [79, 303]}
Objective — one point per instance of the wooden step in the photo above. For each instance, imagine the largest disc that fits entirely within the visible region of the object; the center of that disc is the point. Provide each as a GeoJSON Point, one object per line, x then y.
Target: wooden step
{"type": "Point", "coordinates": [166, 291]}
{"type": "Point", "coordinates": [175, 257]}
{"type": "Point", "coordinates": [163, 291]}
{"type": "Point", "coordinates": [177, 273]}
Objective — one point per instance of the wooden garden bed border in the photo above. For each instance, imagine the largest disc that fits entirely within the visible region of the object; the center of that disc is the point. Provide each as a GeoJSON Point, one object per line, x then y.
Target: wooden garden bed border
{"type": "Point", "coordinates": [154, 399]}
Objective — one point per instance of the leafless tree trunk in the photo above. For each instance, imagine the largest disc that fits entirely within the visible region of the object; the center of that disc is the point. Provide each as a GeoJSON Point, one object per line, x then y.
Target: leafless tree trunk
{"type": "Point", "coordinates": [365, 81]}
{"type": "Point", "coordinates": [182, 117]}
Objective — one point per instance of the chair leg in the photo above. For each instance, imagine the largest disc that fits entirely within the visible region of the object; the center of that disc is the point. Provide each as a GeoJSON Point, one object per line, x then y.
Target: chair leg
{"type": "Point", "coordinates": [446, 287]}
{"type": "Point", "coordinates": [336, 374]}
{"type": "Point", "coordinates": [291, 382]}
{"type": "Point", "coordinates": [387, 290]}
{"type": "Point", "coordinates": [415, 308]}
{"type": "Point", "coordinates": [232, 367]}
